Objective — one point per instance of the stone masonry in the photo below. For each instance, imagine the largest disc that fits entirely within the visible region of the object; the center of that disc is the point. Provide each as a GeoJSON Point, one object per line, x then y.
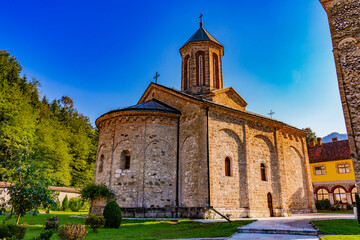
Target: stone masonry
{"type": "Point", "coordinates": [344, 21]}
{"type": "Point", "coordinates": [184, 153]}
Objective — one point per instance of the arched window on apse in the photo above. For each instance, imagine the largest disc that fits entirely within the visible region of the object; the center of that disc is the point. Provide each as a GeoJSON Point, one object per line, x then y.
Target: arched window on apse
{"type": "Point", "coordinates": [101, 164]}
{"type": "Point", "coordinates": [186, 72]}
{"type": "Point", "coordinates": [227, 167]}
{"type": "Point", "coordinates": [263, 172]}
{"type": "Point", "coordinates": [200, 68]}
{"type": "Point", "coordinates": [125, 160]}
{"type": "Point", "coordinates": [216, 70]}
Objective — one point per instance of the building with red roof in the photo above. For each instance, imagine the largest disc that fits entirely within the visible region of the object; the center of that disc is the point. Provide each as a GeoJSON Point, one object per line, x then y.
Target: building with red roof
{"type": "Point", "coordinates": [332, 171]}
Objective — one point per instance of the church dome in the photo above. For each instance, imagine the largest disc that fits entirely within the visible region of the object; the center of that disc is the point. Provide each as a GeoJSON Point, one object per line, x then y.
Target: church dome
{"type": "Point", "coordinates": [201, 35]}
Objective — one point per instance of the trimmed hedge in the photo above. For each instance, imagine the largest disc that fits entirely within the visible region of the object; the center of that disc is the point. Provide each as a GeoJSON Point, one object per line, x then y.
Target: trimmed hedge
{"type": "Point", "coordinates": [112, 215]}
{"type": "Point", "coordinates": [12, 230]}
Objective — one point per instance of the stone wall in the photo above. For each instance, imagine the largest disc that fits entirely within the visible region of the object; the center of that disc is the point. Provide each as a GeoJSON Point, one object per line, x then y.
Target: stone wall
{"type": "Point", "coordinates": [344, 21]}
{"type": "Point", "coordinates": [150, 139]}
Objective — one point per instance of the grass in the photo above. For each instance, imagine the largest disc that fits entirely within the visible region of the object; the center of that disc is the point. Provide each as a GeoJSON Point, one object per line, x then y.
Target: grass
{"type": "Point", "coordinates": [338, 227]}
{"type": "Point", "coordinates": [137, 229]}
{"type": "Point", "coordinates": [353, 237]}
{"type": "Point", "coordinates": [338, 211]}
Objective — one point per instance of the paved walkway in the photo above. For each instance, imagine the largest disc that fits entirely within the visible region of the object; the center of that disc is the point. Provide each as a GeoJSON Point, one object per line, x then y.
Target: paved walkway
{"type": "Point", "coordinates": [297, 223]}
{"type": "Point", "coordinates": [281, 227]}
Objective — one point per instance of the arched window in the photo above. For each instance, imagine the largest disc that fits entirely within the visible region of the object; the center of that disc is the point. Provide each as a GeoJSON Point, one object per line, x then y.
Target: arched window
{"type": "Point", "coordinates": [200, 68]}
{"type": "Point", "coordinates": [125, 160]}
{"type": "Point", "coordinates": [263, 172]}
{"type": "Point", "coordinates": [353, 193]}
{"type": "Point", "coordinates": [340, 195]}
{"type": "Point", "coordinates": [322, 194]}
{"type": "Point", "coordinates": [227, 167]}
{"type": "Point", "coordinates": [216, 70]}
{"type": "Point", "coordinates": [186, 72]}
{"type": "Point", "coordinates": [101, 164]}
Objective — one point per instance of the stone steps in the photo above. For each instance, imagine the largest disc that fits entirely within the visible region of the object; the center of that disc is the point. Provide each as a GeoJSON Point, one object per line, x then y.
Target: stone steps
{"type": "Point", "coordinates": [279, 231]}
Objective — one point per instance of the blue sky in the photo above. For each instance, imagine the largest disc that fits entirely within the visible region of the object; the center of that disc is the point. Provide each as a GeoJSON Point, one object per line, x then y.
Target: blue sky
{"type": "Point", "coordinates": [103, 54]}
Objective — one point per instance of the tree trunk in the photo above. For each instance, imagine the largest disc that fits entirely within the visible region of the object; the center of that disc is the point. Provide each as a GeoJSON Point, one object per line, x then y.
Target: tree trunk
{"type": "Point", "coordinates": [18, 219]}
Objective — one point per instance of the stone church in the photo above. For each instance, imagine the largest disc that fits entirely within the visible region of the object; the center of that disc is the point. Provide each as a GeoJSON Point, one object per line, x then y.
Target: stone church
{"type": "Point", "coordinates": [198, 152]}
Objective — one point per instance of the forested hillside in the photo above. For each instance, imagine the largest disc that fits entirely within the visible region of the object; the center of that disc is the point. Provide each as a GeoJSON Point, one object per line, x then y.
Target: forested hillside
{"type": "Point", "coordinates": [61, 139]}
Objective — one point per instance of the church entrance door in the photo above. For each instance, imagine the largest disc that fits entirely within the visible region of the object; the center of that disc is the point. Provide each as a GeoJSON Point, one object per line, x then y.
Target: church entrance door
{"type": "Point", "coordinates": [270, 204]}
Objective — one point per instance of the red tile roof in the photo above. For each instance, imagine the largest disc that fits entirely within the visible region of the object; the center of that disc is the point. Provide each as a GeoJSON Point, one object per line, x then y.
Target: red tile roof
{"type": "Point", "coordinates": [331, 151]}
{"type": "Point", "coordinates": [60, 189]}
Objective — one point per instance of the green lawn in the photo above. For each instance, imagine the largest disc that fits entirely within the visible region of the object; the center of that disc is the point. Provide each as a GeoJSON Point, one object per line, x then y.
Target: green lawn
{"type": "Point", "coordinates": [339, 211]}
{"type": "Point", "coordinates": [354, 237]}
{"type": "Point", "coordinates": [138, 229]}
{"type": "Point", "coordinates": [338, 227]}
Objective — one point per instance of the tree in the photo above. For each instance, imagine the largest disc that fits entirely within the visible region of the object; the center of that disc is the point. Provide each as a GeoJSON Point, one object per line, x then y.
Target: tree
{"type": "Point", "coordinates": [30, 189]}
{"type": "Point", "coordinates": [311, 135]}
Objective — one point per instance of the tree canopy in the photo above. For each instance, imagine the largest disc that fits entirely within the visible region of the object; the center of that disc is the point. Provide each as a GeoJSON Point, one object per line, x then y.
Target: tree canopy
{"type": "Point", "coordinates": [61, 138]}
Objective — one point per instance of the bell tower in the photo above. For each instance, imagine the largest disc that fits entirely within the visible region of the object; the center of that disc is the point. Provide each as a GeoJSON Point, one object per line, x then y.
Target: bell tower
{"type": "Point", "coordinates": [201, 68]}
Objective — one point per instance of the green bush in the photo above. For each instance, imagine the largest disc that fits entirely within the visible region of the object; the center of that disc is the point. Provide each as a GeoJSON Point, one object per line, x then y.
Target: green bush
{"type": "Point", "coordinates": [12, 230]}
{"type": "Point", "coordinates": [75, 204]}
{"type": "Point", "coordinates": [94, 221]}
{"type": "Point", "coordinates": [112, 215]}
{"type": "Point", "coordinates": [91, 192]}
{"type": "Point", "coordinates": [72, 231]}
{"type": "Point", "coordinates": [55, 207]}
{"type": "Point", "coordinates": [322, 204]}
{"type": "Point", "coordinates": [45, 235]}
{"type": "Point", "coordinates": [65, 203]}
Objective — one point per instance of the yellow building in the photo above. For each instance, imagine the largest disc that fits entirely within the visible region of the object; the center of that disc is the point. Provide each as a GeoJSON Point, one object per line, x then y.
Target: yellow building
{"type": "Point", "coordinates": [332, 171]}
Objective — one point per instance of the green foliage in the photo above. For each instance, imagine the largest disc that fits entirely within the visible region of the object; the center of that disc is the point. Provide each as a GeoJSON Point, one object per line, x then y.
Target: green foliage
{"type": "Point", "coordinates": [92, 191]}
{"type": "Point", "coordinates": [75, 204]}
{"type": "Point", "coordinates": [322, 204]}
{"type": "Point", "coordinates": [357, 198]}
{"type": "Point", "coordinates": [72, 231]}
{"type": "Point", "coordinates": [94, 221]}
{"type": "Point", "coordinates": [65, 203]}
{"type": "Point", "coordinates": [45, 235]}
{"type": "Point", "coordinates": [12, 230]}
{"type": "Point", "coordinates": [62, 138]}
{"type": "Point", "coordinates": [311, 135]}
{"type": "Point", "coordinates": [112, 215]}
{"type": "Point", "coordinates": [52, 223]}
{"type": "Point", "coordinates": [30, 189]}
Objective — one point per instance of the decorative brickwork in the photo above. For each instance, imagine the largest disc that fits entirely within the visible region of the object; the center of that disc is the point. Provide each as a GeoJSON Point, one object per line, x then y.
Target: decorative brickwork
{"type": "Point", "coordinates": [344, 20]}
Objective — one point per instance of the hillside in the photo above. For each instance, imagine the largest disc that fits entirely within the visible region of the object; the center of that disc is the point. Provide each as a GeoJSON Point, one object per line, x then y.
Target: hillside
{"type": "Point", "coordinates": [339, 136]}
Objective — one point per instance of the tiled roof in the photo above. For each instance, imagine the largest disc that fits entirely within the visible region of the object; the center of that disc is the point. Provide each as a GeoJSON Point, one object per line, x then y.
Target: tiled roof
{"type": "Point", "coordinates": [152, 105]}
{"type": "Point", "coordinates": [201, 35]}
{"type": "Point", "coordinates": [331, 151]}
{"type": "Point", "coordinates": [60, 189]}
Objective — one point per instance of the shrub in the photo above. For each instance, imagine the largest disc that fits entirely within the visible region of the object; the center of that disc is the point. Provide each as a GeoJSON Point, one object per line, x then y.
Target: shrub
{"type": "Point", "coordinates": [349, 206]}
{"type": "Point", "coordinates": [112, 215]}
{"type": "Point", "coordinates": [72, 231]}
{"type": "Point", "coordinates": [91, 192]}
{"type": "Point", "coordinates": [75, 204]}
{"type": "Point", "coordinates": [12, 230]}
{"type": "Point", "coordinates": [65, 203]}
{"type": "Point", "coordinates": [45, 235]}
{"type": "Point", "coordinates": [55, 207]}
{"type": "Point", "coordinates": [94, 221]}
{"type": "Point", "coordinates": [322, 204]}
{"type": "Point", "coordinates": [332, 208]}
{"type": "Point", "coordinates": [52, 223]}
{"type": "Point", "coordinates": [357, 206]}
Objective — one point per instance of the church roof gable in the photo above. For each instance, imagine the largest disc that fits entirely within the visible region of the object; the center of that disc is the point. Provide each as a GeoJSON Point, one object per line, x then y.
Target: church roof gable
{"type": "Point", "coordinates": [228, 93]}
{"type": "Point", "coordinates": [201, 35]}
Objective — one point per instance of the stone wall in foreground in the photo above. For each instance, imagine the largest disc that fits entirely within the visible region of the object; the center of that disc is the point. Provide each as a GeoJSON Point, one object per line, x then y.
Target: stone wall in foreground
{"type": "Point", "coordinates": [344, 21]}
